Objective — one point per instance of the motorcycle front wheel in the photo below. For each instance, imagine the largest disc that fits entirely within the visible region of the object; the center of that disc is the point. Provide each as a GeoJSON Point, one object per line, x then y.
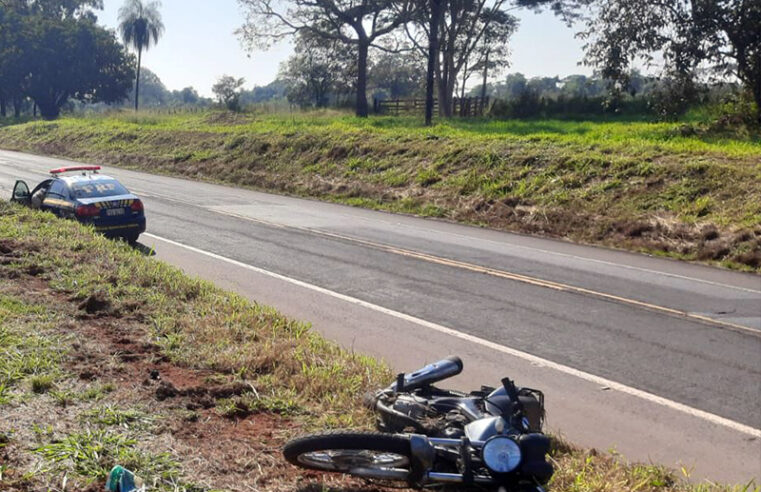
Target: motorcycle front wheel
{"type": "Point", "coordinates": [363, 454]}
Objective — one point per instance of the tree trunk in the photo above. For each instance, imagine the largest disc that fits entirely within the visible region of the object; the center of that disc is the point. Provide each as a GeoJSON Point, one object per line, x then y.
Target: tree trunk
{"type": "Point", "coordinates": [34, 111]}
{"type": "Point", "coordinates": [486, 73]}
{"type": "Point", "coordinates": [137, 80]}
{"type": "Point", "coordinates": [464, 80]}
{"type": "Point", "coordinates": [49, 110]}
{"type": "Point", "coordinates": [445, 93]}
{"type": "Point", "coordinates": [16, 107]}
{"type": "Point", "coordinates": [433, 55]}
{"type": "Point", "coordinates": [2, 107]}
{"type": "Point", "coordinates": [364, 46]}
{"type": "Point", "coordinates": [451, 83]}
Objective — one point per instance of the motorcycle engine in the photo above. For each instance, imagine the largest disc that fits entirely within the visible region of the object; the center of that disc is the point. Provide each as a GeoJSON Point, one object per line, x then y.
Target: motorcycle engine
{"type": "Point", "coordinates": [409, 406]}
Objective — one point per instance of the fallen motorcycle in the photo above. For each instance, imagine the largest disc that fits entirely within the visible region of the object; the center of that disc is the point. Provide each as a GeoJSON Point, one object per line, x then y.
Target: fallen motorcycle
{"type": "Point", "coordinates": [491, 438]}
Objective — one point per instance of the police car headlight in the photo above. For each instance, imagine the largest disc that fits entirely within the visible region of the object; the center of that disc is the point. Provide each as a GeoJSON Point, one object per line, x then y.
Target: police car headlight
{"type": "Point", "coordinates": [501, 454]}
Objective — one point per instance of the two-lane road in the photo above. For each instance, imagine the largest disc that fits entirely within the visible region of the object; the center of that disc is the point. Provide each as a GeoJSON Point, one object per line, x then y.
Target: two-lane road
{"type": "Point", "coordinates": [659, 359]}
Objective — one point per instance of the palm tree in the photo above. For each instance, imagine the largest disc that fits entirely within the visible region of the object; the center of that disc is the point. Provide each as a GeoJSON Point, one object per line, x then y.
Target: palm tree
{"type": "Point", "coordinates": [141, 27]}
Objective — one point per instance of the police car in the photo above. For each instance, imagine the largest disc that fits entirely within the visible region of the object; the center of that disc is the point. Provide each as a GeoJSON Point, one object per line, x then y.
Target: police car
{"type": "Point", "coordinates": [82, 193]}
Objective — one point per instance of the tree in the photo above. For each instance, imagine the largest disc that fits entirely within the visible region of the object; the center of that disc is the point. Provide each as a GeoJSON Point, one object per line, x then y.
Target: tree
{"type": "Point", "coordinates": [140, 26]}
{"type": "Point", "coordinates": [14, 62]}
{"type": "Point", "coordinates": [315, 70]}
{"type": "Point", "coordinates": [357, 24]}
{"type": "Point", "coordinates": [723, 35]}
{"type": "Point", "coordinates": [398, 75]}
{"type": "Point", "coordinates": [274, 91]}
{"type": "Point", "coordinates": [227, 90]}
{"type": "Point", "coordinates": [52, 51]}
{"type": "Point", "coordinates": [493, 53]}
{"type": "Point", "coordinates": [434, 23]}
{"type": "Point", "coordinates": [188, 95]}
{"type": "Point", "coordinates": [60, 9]}
{"type": "Point", "coordinates": [462, 27]}
{"type": "Point", "coordinates": [153, 92]}
{"type": "Point", "coordinates": [74, 58]}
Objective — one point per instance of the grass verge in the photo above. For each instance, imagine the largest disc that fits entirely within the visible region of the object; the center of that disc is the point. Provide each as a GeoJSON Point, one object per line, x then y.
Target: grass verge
{"type": "Point", "coordinates": [672, 189]}
{"type": "Point", "coordinates": [684, 190]}
{"type": "Point", "coordinates": [109, 356]}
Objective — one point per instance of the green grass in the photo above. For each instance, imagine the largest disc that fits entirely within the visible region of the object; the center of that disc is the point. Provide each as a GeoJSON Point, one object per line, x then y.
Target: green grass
{"type": "Point", "coordinates": [652, 187]}
{"type": "Point", "coordinates": [72, 433]}
{"type": "Point", "coordinates": [81, 429]}
{"type": "Point", "coordinates": [93, 452]}
{"type": "Point", "coordinates": [29, 350]}
{"type": "Point", "coordinates": [111, 415]}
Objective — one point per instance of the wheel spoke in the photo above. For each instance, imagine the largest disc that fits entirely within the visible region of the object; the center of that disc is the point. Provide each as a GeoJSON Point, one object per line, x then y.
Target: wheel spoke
{"type": "Point", "coordinates": [344, 460]}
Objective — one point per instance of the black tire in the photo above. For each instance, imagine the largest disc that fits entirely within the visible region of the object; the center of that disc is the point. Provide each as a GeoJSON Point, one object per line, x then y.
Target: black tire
{"type": "Point", "coordinates": [344, 451]}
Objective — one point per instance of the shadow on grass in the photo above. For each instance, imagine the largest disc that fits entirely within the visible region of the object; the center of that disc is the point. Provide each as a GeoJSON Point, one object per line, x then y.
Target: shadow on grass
{"type": "Point", "coordinates": [368, 487]}
{"type": "Point", "coordinates": [143, 249]}
{"type": "Point", "coordinates": [10, 121]}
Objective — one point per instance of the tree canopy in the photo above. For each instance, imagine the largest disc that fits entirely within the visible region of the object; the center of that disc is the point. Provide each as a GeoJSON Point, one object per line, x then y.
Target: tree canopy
{"type": "Point", "coordinates": [722, 36]}
{"type": "Point", "coordinates": [141, 27]}
{"type": "Point", "coordinates": [357, 24]}
{"type": "Point", "coordinates": [53, 50]}
{"type": "Point", "coordinates": [227, 90]}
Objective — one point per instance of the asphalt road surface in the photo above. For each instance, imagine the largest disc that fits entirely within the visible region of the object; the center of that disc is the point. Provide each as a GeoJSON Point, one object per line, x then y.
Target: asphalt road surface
{"type": "Point", "coordinates": [658, 359]}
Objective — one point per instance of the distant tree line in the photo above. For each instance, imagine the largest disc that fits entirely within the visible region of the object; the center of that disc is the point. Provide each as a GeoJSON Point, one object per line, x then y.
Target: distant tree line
{"type": "Point", "coordinates": [469, 36]}
{"type": "Point", "coordinates": [580, 95]}
{"type": "Point", "coordinates": [154, 94]}
{"type": "Point", "coordinates": [434, 47]}
{"type": "Point", "coordinates": [53, 54]}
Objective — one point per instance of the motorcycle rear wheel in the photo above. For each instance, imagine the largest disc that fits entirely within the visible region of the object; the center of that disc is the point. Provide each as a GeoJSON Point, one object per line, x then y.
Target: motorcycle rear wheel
{"type": "Point", "coordinates": [363, 454]}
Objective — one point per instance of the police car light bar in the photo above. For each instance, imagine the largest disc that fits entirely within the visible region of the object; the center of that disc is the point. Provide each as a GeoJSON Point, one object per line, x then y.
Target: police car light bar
{"type": "Point", "coordinates": [73, 169]}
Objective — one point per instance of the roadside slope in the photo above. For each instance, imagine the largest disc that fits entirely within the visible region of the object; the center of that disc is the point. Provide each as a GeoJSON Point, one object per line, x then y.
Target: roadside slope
{"type": "Point", "coordinates": [667, 189]}
{"type": "Point", "coordinates": [111, 356]}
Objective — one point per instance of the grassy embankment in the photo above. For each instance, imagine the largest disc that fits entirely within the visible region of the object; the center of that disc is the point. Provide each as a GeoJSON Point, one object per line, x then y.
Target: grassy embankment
{"type": "Point", "coordinates": [109, 356]}
{"type": "Point", "coordinates": [677, 189]}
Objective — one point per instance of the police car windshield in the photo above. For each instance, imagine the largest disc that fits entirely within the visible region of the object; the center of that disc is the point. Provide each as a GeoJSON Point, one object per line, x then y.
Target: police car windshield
{"type": "Point", "coordinates": [98, 189]}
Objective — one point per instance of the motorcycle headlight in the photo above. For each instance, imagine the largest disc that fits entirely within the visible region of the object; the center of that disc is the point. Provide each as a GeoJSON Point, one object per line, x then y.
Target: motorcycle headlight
{"type": "Point", "coordinates": [501, 454]}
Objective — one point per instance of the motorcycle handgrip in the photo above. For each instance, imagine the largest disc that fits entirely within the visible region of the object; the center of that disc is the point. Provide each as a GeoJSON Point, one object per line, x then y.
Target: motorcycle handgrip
{"type": "Point", "coordinates": [443, 369]}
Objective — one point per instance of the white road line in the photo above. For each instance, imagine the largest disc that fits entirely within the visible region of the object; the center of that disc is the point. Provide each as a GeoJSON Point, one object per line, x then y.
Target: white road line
{"type": "Point", "coordinates": [219, 209]}
{"type": "Point", "coordinates": [517, 277]}
{"type": "Point", "coordinates": [538, 361]}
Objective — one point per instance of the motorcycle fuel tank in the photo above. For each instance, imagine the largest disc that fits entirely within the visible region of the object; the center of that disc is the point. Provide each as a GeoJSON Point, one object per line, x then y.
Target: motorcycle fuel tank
{"type": "Point", "coordinates": [483, 429]}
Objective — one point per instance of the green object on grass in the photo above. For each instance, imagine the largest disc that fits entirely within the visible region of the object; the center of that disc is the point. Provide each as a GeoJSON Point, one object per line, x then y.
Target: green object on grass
{"type": "Point", "coordinates": [122, 480]}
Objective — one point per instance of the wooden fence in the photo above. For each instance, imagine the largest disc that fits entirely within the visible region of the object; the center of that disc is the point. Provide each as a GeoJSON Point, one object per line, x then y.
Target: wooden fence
{"type": "Point", "coordinates": [464, 107]}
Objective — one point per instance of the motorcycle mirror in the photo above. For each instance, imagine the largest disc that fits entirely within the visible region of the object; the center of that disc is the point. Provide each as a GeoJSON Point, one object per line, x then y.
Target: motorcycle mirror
{"type": "Point", "coordinates": [400, 382]}
{"type": "Point", "coordinates": [510, 388]}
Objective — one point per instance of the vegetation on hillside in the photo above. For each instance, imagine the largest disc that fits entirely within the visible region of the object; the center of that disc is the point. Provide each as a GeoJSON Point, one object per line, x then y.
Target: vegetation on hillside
{"type": "Point", "coordinates": [688, 190]}
{"type": "Point", "coordinates": [110, 356]}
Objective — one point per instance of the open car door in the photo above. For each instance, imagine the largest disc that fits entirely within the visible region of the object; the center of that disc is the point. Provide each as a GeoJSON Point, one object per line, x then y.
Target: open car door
{"type": "Point", "coordinates": [21, 193]}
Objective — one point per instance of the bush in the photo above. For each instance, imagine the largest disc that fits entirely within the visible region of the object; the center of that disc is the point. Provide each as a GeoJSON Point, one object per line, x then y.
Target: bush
{"type": "Point", "coordinates": [672, 97]}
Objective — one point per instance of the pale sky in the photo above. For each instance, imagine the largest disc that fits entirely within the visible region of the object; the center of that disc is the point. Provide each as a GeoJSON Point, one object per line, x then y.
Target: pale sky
{"type": "Point", "coordinates": [199, 45]}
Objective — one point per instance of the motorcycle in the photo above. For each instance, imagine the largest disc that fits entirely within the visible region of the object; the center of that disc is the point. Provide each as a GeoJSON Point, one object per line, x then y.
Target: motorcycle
{"type": "Point", "coordinates": [489, 439]}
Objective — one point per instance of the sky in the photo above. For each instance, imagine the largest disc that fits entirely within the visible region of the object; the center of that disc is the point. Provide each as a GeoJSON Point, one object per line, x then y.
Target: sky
{"type": "Point", "coordinates": [199, 45]}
